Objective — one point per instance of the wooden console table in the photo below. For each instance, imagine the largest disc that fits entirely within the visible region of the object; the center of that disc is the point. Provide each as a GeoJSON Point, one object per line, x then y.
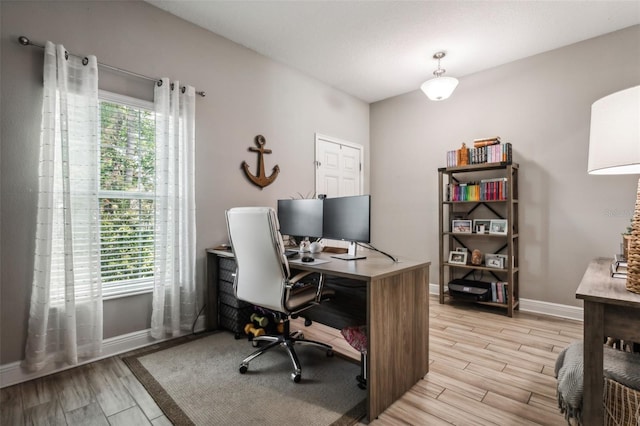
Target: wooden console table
{"type": "Point", "coordinates": [609, 310]}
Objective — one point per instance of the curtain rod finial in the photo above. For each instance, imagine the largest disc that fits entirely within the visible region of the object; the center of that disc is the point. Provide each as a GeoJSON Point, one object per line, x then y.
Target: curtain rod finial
{"type": "Point", "coordinates": [23, 40]}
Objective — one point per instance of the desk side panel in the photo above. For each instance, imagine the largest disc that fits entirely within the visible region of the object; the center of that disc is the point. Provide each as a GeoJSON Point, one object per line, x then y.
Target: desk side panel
{"type": "Point", "coordinates": [398, 336]}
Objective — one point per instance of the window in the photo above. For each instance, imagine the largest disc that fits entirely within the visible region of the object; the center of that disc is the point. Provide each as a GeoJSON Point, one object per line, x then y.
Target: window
{"type": "Point", "coordinates": [126, 194]}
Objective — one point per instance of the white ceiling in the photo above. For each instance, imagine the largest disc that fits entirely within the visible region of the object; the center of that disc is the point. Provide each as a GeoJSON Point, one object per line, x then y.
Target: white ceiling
{"type": "Point", "coordinates": [377, 49]}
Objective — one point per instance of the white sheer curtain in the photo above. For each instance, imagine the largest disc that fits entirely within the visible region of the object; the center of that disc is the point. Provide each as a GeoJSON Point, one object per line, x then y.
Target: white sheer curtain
{"type": "Point", "coordinates": [65, 318]}
{"type": "Point", "coordinates": [174, 294]}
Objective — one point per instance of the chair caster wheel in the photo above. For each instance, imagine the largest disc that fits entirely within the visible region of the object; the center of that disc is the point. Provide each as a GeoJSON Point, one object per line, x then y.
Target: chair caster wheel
{"type": "Point", "coordinates": [295, 377]}
{"type": "Point", "coordinates": [307, 322]}
{"type": "Point", "coordinates": [329, 353]}
{"type": "Point", "coordinates": [243, 369]}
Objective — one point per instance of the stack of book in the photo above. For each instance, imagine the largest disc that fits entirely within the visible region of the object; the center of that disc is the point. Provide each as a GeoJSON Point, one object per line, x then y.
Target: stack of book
{"type": "Point", "coordinates": [486, 189]}
{"type": "Point", "coordinates": [486, 150]}
{"type": "Point", "coordinates": [619, 267]}
{"type": "Point", "coordinates": [499, 291]}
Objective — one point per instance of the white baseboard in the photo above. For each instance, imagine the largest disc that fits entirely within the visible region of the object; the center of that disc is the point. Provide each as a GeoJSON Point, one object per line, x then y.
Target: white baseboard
{"type": "Point", "coordinates": [13, 373]}
{"type": "Point", "coordinates": [553, 309]}
{"type": "Point", "coordinates": [539, 307]}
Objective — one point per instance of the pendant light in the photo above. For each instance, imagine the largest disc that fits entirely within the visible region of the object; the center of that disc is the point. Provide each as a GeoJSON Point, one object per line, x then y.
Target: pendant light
{"type": "Point", "coordinates": [439, 88]}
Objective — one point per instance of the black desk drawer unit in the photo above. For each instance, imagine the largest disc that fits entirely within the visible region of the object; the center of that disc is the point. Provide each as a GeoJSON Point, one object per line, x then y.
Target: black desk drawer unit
{"type": "Point", "coordinates": [234, 314]}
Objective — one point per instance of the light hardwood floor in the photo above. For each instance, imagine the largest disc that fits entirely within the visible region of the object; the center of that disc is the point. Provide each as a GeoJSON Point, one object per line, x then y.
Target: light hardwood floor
{"type": "Point", "coordinates": [485, 369]}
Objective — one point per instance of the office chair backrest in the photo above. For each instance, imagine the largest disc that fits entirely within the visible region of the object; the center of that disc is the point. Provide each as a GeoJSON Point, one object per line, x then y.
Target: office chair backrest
{"type": "Point", "coordinates": [262, 268]}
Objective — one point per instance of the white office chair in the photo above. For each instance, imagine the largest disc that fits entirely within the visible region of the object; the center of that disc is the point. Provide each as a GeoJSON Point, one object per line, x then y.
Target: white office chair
{"type": "Point", "coordinates": [263, 279]}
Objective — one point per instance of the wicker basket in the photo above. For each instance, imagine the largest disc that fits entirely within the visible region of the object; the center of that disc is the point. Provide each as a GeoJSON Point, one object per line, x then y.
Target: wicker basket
{"type": "Point", "coordinates": [621, 404]}
{"type": "Point", "coordinates": [633, 262]}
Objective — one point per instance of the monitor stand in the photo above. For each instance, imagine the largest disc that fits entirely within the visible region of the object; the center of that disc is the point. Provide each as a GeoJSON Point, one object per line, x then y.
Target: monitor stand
{"type": "Point", "coordinates": [351, 253]}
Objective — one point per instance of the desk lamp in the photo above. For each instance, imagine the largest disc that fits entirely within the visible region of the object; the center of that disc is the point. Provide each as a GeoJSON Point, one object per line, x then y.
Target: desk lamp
{"type": "Point", "coordinates": [614, 149]}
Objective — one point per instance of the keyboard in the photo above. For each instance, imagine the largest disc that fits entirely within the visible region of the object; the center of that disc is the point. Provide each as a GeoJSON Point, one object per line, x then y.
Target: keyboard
{"type": "Point", "coordinates": [348, 257]}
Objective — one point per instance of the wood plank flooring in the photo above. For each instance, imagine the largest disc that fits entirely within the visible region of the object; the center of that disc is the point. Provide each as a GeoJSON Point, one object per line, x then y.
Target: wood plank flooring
{"type": "Point", "coordinates": [484, 369]}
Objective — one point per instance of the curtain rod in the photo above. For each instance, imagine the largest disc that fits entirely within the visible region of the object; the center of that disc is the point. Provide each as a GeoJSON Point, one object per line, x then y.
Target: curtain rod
{"type": "Point", "coordinates": [26, 42]}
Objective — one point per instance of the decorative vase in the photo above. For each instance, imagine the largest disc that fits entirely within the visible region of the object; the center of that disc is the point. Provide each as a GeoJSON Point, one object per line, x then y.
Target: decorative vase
{"type": "Point", "coordinates": [305, 245]}
{"type": "Point", "coordinates": [316, 247]}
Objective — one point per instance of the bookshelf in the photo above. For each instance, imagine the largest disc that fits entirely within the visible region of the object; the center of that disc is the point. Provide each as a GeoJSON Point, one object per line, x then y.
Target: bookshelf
{"type": "Point", "coordinates": [478, 194]}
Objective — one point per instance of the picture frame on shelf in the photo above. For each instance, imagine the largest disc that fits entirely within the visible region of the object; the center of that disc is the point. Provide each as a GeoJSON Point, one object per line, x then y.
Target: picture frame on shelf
{"type": "Point", "coordinates": [461, 226]}
{"type": "Point", "coordinates": [498, 226]}
{"type": "Point", "coordinates": [481, 226]}
{"type": "Point", "coordinates": [462, 249]}
{"type": "Point", "coordinates": [458, 257]}
{"type": "Point", "coordinates": [497, 261]}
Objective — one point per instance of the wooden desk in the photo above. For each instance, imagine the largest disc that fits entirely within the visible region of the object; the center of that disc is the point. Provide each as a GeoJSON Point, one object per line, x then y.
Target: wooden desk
{"type": "Point", "coordinates": [397, 321]}
{"type": "Point", "coordinates": [609, 310]}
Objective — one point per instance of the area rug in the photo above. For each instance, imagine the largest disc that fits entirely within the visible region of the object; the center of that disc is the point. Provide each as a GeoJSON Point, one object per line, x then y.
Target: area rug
{"type": "Point", "coordinates": [195, 381]}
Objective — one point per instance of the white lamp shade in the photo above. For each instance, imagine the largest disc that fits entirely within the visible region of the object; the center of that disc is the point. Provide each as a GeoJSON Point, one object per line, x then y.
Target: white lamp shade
{"type": "Point", "coordinates": [614, 143]}
{"type": "Point", "coordinates": [439, 88]}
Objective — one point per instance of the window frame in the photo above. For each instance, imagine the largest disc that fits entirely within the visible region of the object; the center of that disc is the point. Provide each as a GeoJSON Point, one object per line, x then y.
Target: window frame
{"type": "Point", "coordinates": [132, 287]}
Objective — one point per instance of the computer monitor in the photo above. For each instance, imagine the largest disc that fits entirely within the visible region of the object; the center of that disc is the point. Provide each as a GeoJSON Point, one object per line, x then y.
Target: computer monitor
{"type": "Point", "coordinates": [300, 218]}
{"type": "Point", "coordinates": [347, 218]}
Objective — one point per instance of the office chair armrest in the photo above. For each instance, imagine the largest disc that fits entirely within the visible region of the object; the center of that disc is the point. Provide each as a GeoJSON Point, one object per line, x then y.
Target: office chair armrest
{"type": "Point", "coordinates": [301, 275]}
{"type": "Point", "coordinates": [298, 277]}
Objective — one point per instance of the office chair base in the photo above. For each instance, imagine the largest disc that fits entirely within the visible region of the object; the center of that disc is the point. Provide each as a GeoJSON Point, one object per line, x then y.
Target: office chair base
{"type": "Point", "coordinates": [288, 341]}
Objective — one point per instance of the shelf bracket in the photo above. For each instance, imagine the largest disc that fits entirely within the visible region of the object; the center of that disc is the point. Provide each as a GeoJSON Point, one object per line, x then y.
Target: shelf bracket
{"type": "Point", "coordinates": [492, 210]}
{"type": "Point", "coordinates": [501, 248]}
{"type": "Point", "coordinates": [460, 242]}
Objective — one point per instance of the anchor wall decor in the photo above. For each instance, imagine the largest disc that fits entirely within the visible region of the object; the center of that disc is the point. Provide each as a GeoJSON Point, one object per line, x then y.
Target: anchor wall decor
{"type": "Point", "coordinates": [261, 179]}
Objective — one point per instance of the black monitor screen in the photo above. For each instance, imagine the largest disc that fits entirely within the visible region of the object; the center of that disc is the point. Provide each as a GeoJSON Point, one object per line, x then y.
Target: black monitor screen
{"type": "Point", "coordinates": [347, 218]}
{"type": "Point", "coordinates": [300, 218]}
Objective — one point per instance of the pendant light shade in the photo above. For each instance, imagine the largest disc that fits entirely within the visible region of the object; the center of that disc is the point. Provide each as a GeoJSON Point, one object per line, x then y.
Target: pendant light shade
{"type": "Point", "coordinates": [439, 88]}
{"type": "Point", "coordinates": [614, 141]}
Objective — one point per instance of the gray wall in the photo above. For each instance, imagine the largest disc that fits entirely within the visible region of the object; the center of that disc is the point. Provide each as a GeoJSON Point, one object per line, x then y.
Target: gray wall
{"type": "Point", "coordinates": [247, 94]}
{"type": "Point", "coordinates": [542, 106]}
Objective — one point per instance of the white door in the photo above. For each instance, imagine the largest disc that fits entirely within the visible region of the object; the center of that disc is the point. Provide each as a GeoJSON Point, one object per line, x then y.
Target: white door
{"type": "Point", "coordinates": [338, 167]}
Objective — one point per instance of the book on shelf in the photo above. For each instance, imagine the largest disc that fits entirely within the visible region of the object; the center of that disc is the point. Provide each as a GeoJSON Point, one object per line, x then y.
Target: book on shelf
{"type": "Point", "coordinates": [496, 189]}
{"type": "Point", "coordinates": [494, 153]}
{"type": "Point", "coordinates": [622, 269]}
{"type": "Point", "coordinates": [619, 259]}
{"type": "Point", "coordinates": [619, 265]}
{"type": "Point", "coordinates": [499, 291]}
{"type": "Point", "coordinates": [618, 271]}
{"type": "Point", "coordinates": [479, 143]}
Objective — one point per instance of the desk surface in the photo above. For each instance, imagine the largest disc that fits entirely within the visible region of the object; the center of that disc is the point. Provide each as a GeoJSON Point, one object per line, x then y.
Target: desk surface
{"type": "Point", "coordinates": [597, 285]}
{"type": "Point", "coordinates": [375, 266]}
